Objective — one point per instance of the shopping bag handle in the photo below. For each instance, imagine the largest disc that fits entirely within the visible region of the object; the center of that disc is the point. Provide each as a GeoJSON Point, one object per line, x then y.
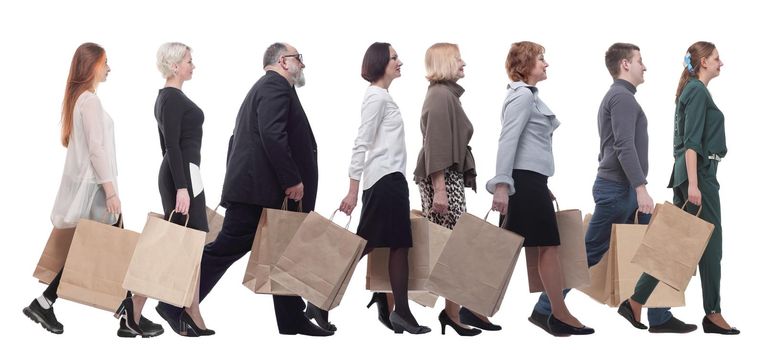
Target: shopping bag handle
{"type": "Point", "coordinates": [350, 217]}
{"type": "Point", "coordinates": [699, 207]}
{"type": "Point", "coordinates": [119, 222]}
{"type": "Point", "coordinates": [285, 205]}
{"type": "Point", "coordinates": [173, 212]}
{"type": "Point", "coordinates": [501, 222]}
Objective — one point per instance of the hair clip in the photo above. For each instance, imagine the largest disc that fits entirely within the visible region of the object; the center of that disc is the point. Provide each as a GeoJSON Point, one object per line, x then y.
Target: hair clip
{"type": "Point", "coordinates": [688, 63]}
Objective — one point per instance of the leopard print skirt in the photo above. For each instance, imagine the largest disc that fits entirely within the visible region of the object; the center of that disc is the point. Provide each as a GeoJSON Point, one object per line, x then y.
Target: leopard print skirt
{"type": "Point", "coordinates": [457, 202]}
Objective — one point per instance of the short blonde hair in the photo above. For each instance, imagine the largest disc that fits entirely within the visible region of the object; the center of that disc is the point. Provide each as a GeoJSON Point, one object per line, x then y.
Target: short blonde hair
{"type": "Point", "coordinates": [440, 62]}
{"type": "Point", "coordinates": [169, 54]}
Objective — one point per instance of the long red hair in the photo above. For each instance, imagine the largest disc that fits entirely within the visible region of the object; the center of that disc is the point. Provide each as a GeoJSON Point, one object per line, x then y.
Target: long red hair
{"type": "Point", "coordinates": [82, 73]}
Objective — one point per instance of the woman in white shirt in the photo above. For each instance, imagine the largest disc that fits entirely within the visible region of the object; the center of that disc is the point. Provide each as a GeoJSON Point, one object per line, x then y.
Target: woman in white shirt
{"type": "Point", "coordinates": [379, 155]}
{"type": "Point", "coordinates": [88, 186]}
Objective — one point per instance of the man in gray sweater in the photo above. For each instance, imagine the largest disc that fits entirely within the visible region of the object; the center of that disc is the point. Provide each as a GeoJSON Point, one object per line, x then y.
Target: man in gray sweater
{"type": "Point", "coordinates": [620, 187]}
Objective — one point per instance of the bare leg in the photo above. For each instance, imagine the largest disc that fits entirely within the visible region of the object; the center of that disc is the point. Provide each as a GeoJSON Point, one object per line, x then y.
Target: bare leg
{"type": "Point", "coordinates": [452, 310]}
{"type": "Point", "coordinates": [551, 277]}
{"type": "Point", "coordinates": [138, 302]}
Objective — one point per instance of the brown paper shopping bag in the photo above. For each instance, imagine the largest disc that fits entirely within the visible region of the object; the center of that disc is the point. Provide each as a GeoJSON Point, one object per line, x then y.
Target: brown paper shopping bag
{"type": "Point", "coordinates": [96, 265]}
{"type": "Point", "coordinates": [274, 232]}
{"type": "Point", "coordinates": [429, 239]}
{"type": "Point", "coordinates": [673, 245]}
{"type": "Point", "coordinates": [476, 264]}
{"type": "Point", "coordinates": [613, 278]}
{"type": "Point", "coordinates": [575, 269]}
{"type": "Point", "coordinates": [165, 264]}
{"type": "Point", "coordinates": [319, 261]}
{"type": "Point", "coordinates": [53, 256]}
{"type": "Point", "coordinates": [215, 224]}
{"type": "Point", "coordinates": [377, 273]}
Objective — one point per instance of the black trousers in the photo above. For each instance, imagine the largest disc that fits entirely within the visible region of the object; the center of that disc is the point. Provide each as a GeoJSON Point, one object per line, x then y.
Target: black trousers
{"type": "Point", "coordinates": [233, 242]}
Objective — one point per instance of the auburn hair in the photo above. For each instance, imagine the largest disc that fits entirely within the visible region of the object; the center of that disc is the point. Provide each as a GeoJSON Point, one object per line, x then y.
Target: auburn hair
{"type": "Point", "coordinates": [697, 51]}
{"type": "Point", "coordinates": [82, 74]}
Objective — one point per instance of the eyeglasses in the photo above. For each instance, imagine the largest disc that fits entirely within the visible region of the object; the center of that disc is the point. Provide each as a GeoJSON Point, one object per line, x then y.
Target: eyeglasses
{"type": "Point", "coordinates": [298, 56]}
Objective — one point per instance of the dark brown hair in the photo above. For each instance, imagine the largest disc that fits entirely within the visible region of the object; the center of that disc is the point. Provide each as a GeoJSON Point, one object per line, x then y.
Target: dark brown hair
{"type": "Point", "coordinates": [375, 61]}
{"type": "Point", "coordinates": [616, 53]}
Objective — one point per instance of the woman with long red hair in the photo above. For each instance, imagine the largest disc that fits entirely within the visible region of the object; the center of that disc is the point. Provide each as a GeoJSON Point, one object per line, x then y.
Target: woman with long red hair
{"type": "Point", "coordinates": [88, 186]}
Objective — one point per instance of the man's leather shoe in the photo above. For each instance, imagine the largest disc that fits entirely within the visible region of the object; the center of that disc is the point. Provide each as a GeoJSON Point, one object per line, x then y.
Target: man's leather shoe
{"type": "Point", "coordinates": [308, 328]}
{"type": "Point", "coordinates": [673, 325]}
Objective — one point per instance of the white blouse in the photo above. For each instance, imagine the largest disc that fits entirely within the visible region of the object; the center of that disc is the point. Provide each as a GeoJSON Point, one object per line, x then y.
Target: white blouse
{"type": "Point", "coordinates": [91, 160]}
{"type": "Point", "coordinates": [380, 147]}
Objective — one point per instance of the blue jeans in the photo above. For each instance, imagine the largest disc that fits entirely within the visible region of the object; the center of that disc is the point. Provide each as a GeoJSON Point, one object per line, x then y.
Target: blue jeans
{"type": "Point", "coordinates": [615, 203]}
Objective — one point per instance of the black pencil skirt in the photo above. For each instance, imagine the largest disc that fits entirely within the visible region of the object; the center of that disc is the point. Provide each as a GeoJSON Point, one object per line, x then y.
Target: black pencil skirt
{"type": "Point", "coordinates": [531, 212]}
{"type": "Point", "coordinates": [385, 220]}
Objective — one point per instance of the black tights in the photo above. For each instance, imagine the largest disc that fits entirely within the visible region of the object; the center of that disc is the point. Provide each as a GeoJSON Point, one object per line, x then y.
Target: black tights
{"type": "Point", "coordinates": [398, 269]}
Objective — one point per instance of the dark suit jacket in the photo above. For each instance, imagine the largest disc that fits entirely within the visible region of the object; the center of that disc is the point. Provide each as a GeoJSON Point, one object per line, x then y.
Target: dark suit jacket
{"type": "Point", "coordinates": [272, 147]}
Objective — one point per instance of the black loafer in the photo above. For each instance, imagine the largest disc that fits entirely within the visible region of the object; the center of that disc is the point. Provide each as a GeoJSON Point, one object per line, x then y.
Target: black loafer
{"type": "Point", "coordinates": [625, 311]}
{"type": "Point", "coordinates": [673, 325]}
{"type": "Point", "coordinates": [559, 328]}
{"type": "Point", "coordinates": [469, 318]}
{"type": "Point", "coordinates": [540, 319]}
{"type": "Point", "coordinates": [45, 317]}
{"type": "Point", "coordinates": [710, 327]}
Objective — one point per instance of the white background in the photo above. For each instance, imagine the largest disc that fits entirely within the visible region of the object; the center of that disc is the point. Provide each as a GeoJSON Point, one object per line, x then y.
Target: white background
{"type": "Point", "coordinates": [39, 38]}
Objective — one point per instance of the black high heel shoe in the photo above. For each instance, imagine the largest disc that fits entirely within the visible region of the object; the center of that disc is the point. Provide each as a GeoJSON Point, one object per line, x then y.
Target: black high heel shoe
{"type": "Point", "coordinates": [560, 328]}
{"type": "Point", "coordinates": [469, 318]}
{"type": "Point", "coordinates": [321, 317]}
{"type": "Point", "coordinates": [400, 325]}
{"type": "Point", "coordinates": [125, 313]}
{"type": "Point", "coordinates": [465, 332]}
{"type": "Point", "coordinates": [710, 327]}
{"type": "Point", "coordinates": [383, 311]}
{"type": "Point", "coordinates": [189, 329]}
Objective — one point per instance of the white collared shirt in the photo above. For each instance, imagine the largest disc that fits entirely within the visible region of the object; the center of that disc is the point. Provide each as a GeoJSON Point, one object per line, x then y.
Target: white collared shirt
{"type": "Point", "coordinates": [380, 147]}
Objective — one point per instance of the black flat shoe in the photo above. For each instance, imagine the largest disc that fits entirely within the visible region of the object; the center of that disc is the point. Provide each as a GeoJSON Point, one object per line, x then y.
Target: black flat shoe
{"type": "Point", "coordinates": [540, 320]}
{"type": "Point", "coordinates": [400, 325]}
{"type": "Point", "coordinates": [447, 321]}
{"type": "Point", "coordinates": [383, 310]}
{"type": "Point", "coordinates": [167, 316]}
{"type": "Point", "coordinates": [321, 317]}
{"type": "Point", "coordinates": [188, 327]}
{"type": "Point", "coordinates": [469, 318]}
{"type": "Point", "coordinates": [710, 327]}
{"type": "Point", "coordinates": [673, 325]}
{"type": "Point", "coordinates": [45, 317]}
{"type": "Point", "coordinates": [127, 325]}
{"type": "Point", "coordinates": [627, 313]}
{"type": "Point", "coordinates": [559, 328]}
{"type": "Point", "coordinates": [309, 329]}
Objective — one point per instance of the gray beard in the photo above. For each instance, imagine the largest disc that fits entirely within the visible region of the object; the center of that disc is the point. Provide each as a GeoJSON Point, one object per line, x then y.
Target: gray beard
{"type": "Point", "coordinates": [299, 80]}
